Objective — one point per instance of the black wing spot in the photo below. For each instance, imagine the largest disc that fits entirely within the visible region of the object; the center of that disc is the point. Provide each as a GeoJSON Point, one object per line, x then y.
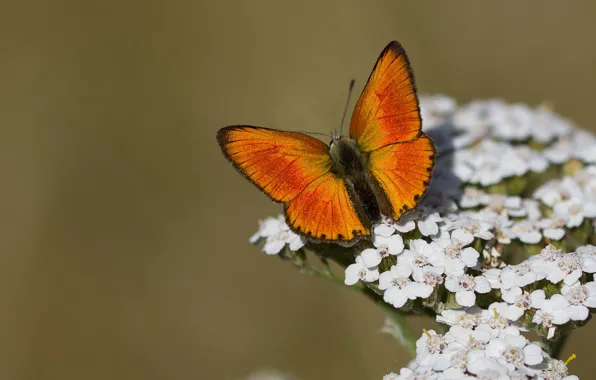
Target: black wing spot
{"type": "Point", "coordinates": [323, 236]}
{"type": "Point", "coordinates": [309, 233]}
{"type": "Point", "coordinates": [429, 169]}
{"type": "Point", "coordinates": [416, 197]}
{"type": "Point", "coordinates": [425, 183]}
{"type": "Point", "coordinates": [298, 228]}
{"type": "Point", "coordinates": [340, 236]}
{"type": "Point", "coordinates": [432, 157]}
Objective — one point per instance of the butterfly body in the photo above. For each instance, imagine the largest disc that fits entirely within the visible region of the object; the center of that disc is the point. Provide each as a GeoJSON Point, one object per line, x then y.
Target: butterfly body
{"type": "Point", "coordinates": [336, 192]}
{"type": "Point", "coordinates": [351, 164]}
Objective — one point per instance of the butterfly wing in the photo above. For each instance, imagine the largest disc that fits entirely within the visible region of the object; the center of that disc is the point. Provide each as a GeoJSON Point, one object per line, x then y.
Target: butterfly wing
{"type": "Point", "coordinates": [294, 169]}
{"type": "Point", "coordinates": [403, 171]}
{"type": "Point", "coordinates": [387, 124]}
{"type": "Point", "coordinates": [387, 111]}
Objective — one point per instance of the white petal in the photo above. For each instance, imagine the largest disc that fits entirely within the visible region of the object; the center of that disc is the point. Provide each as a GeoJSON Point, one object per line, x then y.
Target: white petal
{"type": "Point", "coordinates": [462, 236]}
{"type": "Point", "coordinates": [589, 263]}
{"type": "Point", "coordinates": [469, 256]}
{"type": "Point", "coordinates": [578, 313]}
{"type": "Point", "coordinates": [555, 234]}
{"type": "Point", "coordinates": [573, 277]}
{"type": "Point", "coordinates": [405, 227]}
{"type": "Point", "coordinates": [454, 267]}
{"type": "Point", "coordinates": [513, 313]}
{"type": "Point", "coordinates": [465, 298]}
{"type": "Point", "coordinates": [395, 244]}
{"type": "Point", "coordinates": [383, 230]}
{"type": "Point", "coordinates": [372, 274]}
{"type": "Point", "coordinates": [395, 297]}
{"type": "Point", "coordinates": [558, 302]}
{"type": "Point", "coordinates": [482, 285]}
{"type": "Point", "coordinates": [273, 246]}
{"type": "Point", "coordinates": [452, 284]}
{"type": "Point", "coordinates": [537, 299]}
{"type": "Point", "coordinates": [352, 274]}
{"type": "Point", "coordinates": [533, 354]}
{"type": "Point", "coordinates": [428, 227]}
{"type": "Point", "coordinates": [371, 257]}
{"type": "Point", "coordinates": [510, 295]}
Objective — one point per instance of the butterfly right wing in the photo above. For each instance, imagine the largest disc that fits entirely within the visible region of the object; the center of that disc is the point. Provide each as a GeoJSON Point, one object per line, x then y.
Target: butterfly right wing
{"type": "Point", "coordinates": [294, 168]}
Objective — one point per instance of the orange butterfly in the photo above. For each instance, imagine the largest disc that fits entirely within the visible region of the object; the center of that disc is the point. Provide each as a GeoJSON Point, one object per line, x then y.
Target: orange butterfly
{"type": "Point", "coordinates": [336, 192]}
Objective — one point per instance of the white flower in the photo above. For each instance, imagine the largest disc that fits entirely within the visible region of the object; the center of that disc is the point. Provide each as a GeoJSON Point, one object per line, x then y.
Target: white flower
{"type": "Point", "coordinates": [465, 286]}
{"type": "Point", "coordinates": [552, 312]}
{"type": "Point", "coordinates": [519, 275]}
{"type": "Point", "coordinates": [552, 228]}
{"type": "Point", "coordinates": [527, 231]}
{"type": "Point", "coordinates": [385, 228]}
{"type": "Point", "coordinates": [465, 318]}
{"type": "Point", "coordinates": [494, 277]}
{"type": "Point", "coordinates": [580, 297]}
{"type": "Point", "coordinates": [486, 368]}
{"type": "Point", "coordinates": [398, 287]}
{"type": "Point", "coordinates": [555, 191]}
{"type": "Point", "coordinates": [457, 257]}
{"type": "Point", "coordinates": [557, 369]}
{"type": "Point", "coordinates": [385, 246]}
{"type": "Point", "coordinates": [568, 268]}
{"type": "Point", "coordinates": [473, 197]}
{"type": "Point", "coordinates": [518, 300]}
{"type": "Point", "coordinates": [277, 235]}
{"type": "Point", "coordinates": [359, 271]}
{"type": "Point", "coordinates": [547, 125]}
{"type": "Point", "coordinates": [588, 258]}
{"type": "Point", "coordinates": [422, 255]}
{"type": "Point", "coordinates": [427, 222]}
{"type": "Point", "coordinates": [512, 122]}
{"type": "Point", "coordinates": [467, 227]}
{"type": "Point", "coordinates": [514, 351]}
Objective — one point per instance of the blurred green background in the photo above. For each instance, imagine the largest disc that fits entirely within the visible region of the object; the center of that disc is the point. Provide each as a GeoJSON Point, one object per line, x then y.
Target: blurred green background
{"type": "Point", "coordinates": [124, 251]}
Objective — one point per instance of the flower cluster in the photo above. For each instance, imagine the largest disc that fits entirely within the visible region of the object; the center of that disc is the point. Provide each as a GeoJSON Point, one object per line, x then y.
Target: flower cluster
{"type": "Point", "coordinates": [483, 345]}
{"type": "Point", "coordinates": [505, 225]}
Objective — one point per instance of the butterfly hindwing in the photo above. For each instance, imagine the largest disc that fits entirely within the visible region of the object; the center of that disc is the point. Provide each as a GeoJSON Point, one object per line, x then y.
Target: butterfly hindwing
{"type": "Point", "coordinates": [387, 111]}
{"type": "Point", "coordinates": [403, 171]}
{"type": "Point", "coordinates": [324, 211]}
{"type": "Point", "coordinates": [294, 168]}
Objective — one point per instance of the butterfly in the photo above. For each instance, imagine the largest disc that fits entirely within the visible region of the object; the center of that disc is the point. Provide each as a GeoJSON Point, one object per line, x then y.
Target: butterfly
{"type": "Point", "coordinates": [337, 192]}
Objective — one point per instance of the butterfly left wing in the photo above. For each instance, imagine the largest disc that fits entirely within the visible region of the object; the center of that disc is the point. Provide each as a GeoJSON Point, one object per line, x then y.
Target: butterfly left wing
{"type": "Point", "coordinates": [387, 111]}
{"type": "Point", "coordinates": [294, 168]}
{"type": "Point", "coordinates": [387, 124]}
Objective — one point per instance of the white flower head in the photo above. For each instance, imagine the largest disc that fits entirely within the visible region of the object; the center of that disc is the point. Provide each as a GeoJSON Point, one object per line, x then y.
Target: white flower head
{"type": "Point", "coordinates": [384, 246]}
{"type": "Point", "coordinates": [457, 256]}
{"type": "Point", "coordinates": [580, 298]}
{"type": "Point", "coordinates": [277, 235]}
{"type": "Point", "coordinates": [398, 286]}
{"type": "Point", "coordinates": [360, 272]}
{"type": "Point", "coordinates": [466, 287]}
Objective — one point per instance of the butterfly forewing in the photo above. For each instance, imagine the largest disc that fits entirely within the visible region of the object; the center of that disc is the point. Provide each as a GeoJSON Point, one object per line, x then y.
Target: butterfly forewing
{"type": "Point", "coordinates": [387, 111]}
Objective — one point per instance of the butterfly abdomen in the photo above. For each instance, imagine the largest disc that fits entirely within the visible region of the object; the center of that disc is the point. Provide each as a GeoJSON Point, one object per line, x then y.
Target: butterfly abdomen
{"type": "Point", "coordinates": [349, 163]}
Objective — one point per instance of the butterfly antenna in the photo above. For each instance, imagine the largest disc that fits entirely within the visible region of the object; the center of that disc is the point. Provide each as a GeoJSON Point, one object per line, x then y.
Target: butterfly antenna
{"type": "Point", "coordinates": [314, 133]}
{"type": "Point", "coordinates": [343, 118]}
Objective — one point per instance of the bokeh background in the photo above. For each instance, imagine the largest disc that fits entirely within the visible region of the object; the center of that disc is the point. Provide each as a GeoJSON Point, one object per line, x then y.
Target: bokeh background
{"type": "Point", "coordinates": [123, 247]}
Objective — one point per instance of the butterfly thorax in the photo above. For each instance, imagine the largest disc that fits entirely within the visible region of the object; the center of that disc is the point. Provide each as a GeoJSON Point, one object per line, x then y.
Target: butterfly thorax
{"type": "Point", "coordinates": [351, 164]}
{"type": "Point", "coordinates": [347, 158]}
